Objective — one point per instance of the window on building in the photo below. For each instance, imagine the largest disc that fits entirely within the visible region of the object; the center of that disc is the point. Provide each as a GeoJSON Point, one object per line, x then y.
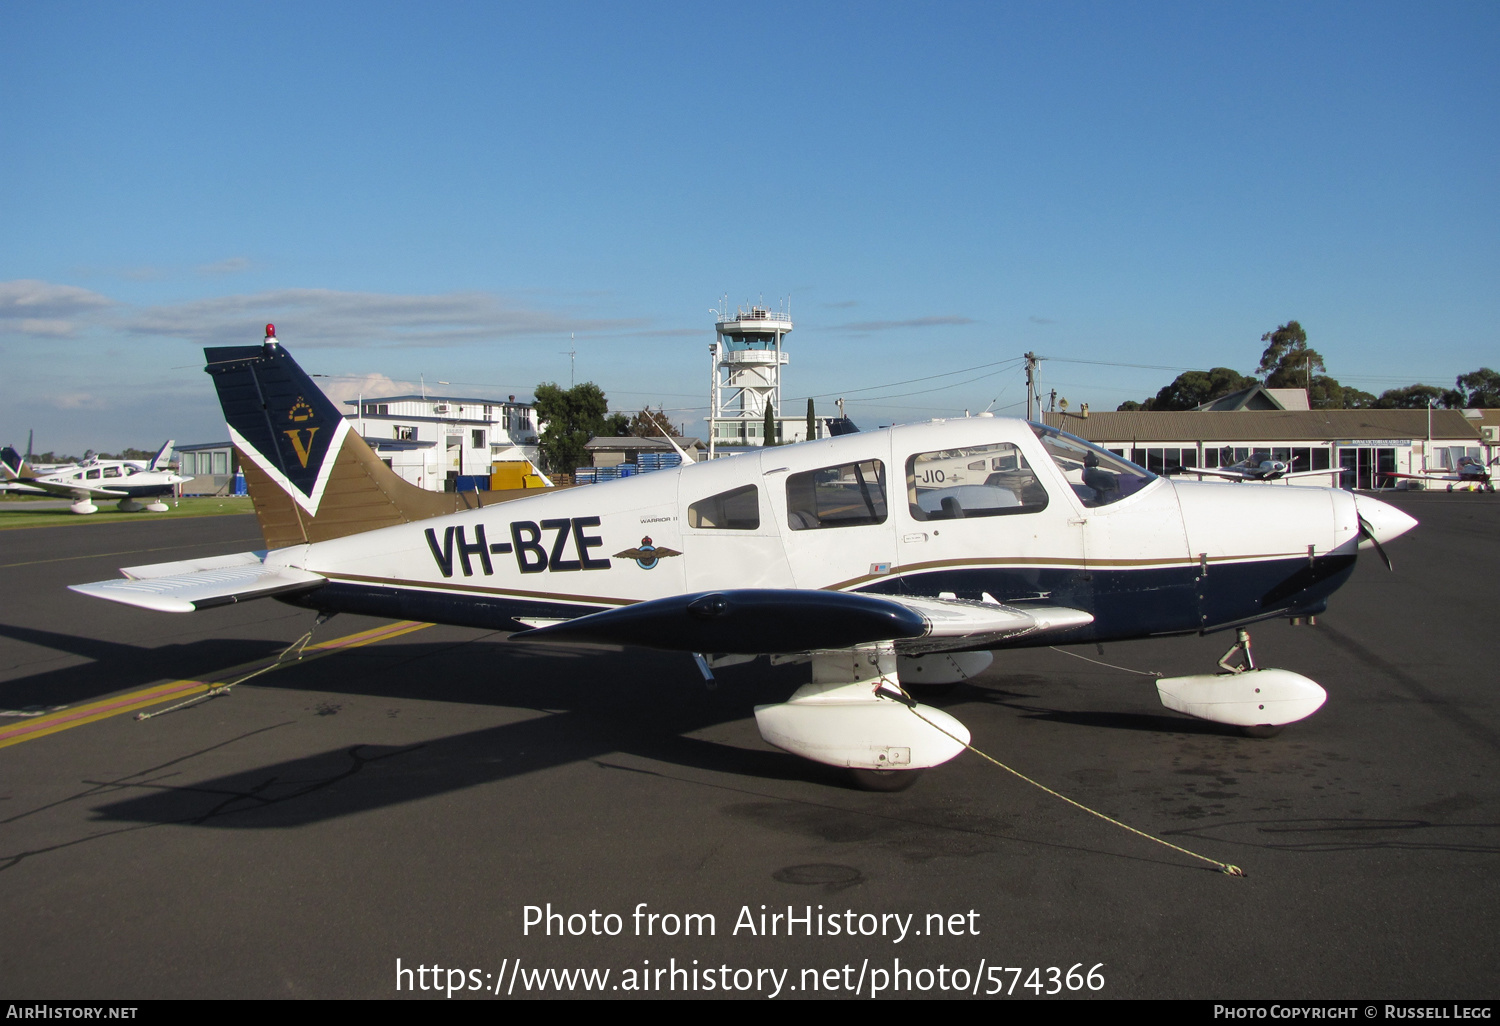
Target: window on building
{"type": "Point", "coordinates": [851, 495]}
{"type": "Point", "coordinates": [406, 433]}
{"type": "Point", "coordinates": [736, 510]}
{"type": "Point", "coordinates": [476, 439]}
{"type": "Point", "coordinates": [221, 462]}
{"type": "Point", "coordinates": [980, 481]}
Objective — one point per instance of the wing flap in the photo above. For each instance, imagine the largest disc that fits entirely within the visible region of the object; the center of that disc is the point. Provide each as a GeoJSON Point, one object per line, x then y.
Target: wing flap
{"type": "Point", "coordinates": [203, 587]}
{"type": "Point", "coordinates": [742, 621]}
{"type": "Point", "coordinates": [954, 622]}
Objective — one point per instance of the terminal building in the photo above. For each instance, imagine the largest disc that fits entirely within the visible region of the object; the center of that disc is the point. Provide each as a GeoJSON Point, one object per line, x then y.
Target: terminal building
{"type": "Point", "coordinates": [1361, 448]}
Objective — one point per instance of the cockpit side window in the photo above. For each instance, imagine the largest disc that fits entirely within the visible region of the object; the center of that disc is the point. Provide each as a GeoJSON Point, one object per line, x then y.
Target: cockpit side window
{"type": "Point", "coordinates": [735, 510]}
{"type": "Point", "coordinates": [851, 495]}
{"type": "Point", "coordinates": [1097, 476]}
{"type": "Point", "coordinates": [976, 481]}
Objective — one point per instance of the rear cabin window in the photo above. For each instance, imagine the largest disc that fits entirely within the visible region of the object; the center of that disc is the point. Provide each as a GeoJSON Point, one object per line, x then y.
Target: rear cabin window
{"type": "Point", "coordinates": [977, 481]}
{"type": "Point", "coordinates": [736, 510]}
{"type": "Point", "coordinates": [851, 495]}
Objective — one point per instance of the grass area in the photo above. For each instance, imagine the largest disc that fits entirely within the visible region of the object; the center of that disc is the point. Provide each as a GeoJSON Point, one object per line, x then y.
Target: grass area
{"type": "Point", "coordinates": [24, 512]}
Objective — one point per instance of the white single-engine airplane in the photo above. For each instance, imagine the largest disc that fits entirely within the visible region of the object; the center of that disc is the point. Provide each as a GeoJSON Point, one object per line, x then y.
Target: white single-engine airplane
{"type": "Point", "coordinates": [1471, 474]}
{"type": "Point", "coordinates": [126, 480]}
{"type": "Point", "coordinates": [1256, 469]}
{"type": "Point", "coordinates": [857, 554]}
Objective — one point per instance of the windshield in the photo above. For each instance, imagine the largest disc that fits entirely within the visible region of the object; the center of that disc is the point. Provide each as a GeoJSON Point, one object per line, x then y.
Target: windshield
{"type": "Point", "coordinates": [1096, 475]}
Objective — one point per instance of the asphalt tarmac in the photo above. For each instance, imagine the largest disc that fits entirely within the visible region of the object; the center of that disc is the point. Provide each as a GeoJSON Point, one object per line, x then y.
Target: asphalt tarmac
{"type": "Point", "coordinates": [423, 798]}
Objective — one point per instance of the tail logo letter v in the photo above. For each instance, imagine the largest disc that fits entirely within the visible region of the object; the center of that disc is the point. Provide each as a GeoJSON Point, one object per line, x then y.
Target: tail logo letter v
{"type": "Point", "coordinates": [302, 450]}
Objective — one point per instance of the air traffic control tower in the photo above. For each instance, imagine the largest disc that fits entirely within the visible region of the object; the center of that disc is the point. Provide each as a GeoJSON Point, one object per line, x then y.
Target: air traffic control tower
{"type": "Point", "coordinates": [747, 359]}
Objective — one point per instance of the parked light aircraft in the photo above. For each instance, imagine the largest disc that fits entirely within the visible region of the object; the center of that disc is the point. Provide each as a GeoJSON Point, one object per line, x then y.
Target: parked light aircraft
{"type": "Point", "coordinates": [126, 480]}
{"type": "Point", "coordinates": [1254, 469]}
{"type": "Point", "coordinates": [858, 555]}
{"type": "Point", "coordinates": [1471, 472]}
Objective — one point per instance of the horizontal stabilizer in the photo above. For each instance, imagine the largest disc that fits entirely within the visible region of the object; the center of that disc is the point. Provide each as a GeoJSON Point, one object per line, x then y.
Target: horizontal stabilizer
{"type": "Point", "coordinates": [191, 584]}
{"type": "Point", "coordinates": [744, 621]}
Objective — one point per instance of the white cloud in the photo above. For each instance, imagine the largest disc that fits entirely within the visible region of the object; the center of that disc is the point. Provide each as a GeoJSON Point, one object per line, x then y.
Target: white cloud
{"type": "Point", "coordinates": [232, 265]}
{"type": "Point", "coordinates": [76, 401]}
{"type": "Point", "coordinates": [311, 318]}
{"type": "Point", "coordinates": [353, 386]}
{"type": "Point", "coordinates": [31, 307]}
{"type": "Point", "coordinates": [919, 322]}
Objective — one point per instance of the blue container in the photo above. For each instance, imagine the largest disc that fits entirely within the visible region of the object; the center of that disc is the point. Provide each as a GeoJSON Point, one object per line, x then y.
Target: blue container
{"type": "Point", "coordinates": [584, 475]}
{"type": "Point", "coordinates": [473, 483]}
{"type": "Point", "coordinates": [628, 470]}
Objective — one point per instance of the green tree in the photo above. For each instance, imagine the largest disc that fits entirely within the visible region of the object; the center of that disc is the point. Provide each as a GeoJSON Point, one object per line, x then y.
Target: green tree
{"type": "Point", "coordinates": [650, 423]}
{"type": "Point", "coordinates": [812, 421]}
{"type": "Point", "coordinates": [1412, 397]}
{"type": "Point", "coordinates": [768, 429]}
{"type": "Point", "coordinates": [1287, 361]}
{"type": "Point", "coordinates": [1194, 388]}
{"type": "Point", "coordinates": [572, 416]}
{"type": "Point", "coordinates": [1476, 390]}
{"type": "Point", "coordinates": [1325, 393]}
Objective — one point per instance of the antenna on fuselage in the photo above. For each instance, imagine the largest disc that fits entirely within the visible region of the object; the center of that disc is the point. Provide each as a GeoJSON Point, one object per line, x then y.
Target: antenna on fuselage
{"type": "Point", "coordinates": [667, 432]}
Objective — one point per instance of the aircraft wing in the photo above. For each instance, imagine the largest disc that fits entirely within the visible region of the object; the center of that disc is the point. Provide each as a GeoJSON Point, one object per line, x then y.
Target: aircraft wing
{"type": "Point", "coordinates": [190, 584]}
{"type": "Point", "coordinates": [76, 491]}
{"type": "Point", "coordinates": [778, 621]}
{"type": "Point", "coordinates": [1229, 475]}
{"type": "Point", "coordinates": [1432, 477]}
{"type": "Point", "coordinates": [1311, 473]}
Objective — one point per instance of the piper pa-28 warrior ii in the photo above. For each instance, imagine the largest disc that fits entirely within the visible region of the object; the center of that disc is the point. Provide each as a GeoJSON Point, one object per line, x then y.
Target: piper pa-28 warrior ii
{"type": "Point", "coordinates": [1471, 474]}
{"type": "Point", "coordinates": [857, 555]}
{"type": "Point", "coordinates": [1259, 467]}
{"type": "Point", "coordinates": [125, 480]}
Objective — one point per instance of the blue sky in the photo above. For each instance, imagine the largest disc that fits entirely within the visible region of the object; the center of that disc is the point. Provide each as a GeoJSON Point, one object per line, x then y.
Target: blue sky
{"type": "Point", "coordinates": [451, 190]}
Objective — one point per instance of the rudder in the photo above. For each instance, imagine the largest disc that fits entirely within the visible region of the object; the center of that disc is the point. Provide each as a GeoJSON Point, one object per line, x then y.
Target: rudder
{"type": "Point", "coordinates": [310, 477]}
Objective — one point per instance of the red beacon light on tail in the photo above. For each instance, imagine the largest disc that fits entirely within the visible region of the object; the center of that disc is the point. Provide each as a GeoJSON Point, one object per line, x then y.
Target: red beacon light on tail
{"type": "Point", "coordinates": [270, 335]}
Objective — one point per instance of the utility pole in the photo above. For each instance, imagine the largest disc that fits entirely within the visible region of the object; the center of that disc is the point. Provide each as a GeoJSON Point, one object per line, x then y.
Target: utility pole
{"type": "Point", "coordinates": [572, 355]}
{"type": "Point", "coordinates": [1031, 386]}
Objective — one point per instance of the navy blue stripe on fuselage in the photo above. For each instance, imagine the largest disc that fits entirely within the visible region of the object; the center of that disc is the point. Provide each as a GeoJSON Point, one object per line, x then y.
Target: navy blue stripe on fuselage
{"type": "Point", "coordinates": [460, 609]}
{"type": "Point", "coordinates": [1136, 603]}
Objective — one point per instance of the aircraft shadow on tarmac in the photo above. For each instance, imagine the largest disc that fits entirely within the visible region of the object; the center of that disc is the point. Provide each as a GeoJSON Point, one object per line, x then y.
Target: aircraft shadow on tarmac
{"type": "Point", "coordinates": [592, 704]}
{"type": "Point", "coordinates": [1008, 694]}
{"type": "Point", "coordinates": [117, 666]}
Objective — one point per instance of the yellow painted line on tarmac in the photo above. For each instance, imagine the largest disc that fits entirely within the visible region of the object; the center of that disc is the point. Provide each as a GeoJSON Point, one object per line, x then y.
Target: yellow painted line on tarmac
{"type": "Point", "coordinates": [178, 690]}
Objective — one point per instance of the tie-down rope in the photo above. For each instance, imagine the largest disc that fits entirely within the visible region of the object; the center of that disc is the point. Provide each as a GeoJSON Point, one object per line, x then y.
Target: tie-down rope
{"type": "Point", "coordinates": [911, 703]}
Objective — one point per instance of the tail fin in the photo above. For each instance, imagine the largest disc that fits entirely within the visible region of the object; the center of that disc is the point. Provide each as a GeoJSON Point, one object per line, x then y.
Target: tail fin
{"type": "Point", "coordinates": [163, 458]}
{"type": "Point", "coordinates": [13, 467]}
{"type": "Point", "coordinates": [310, 477]}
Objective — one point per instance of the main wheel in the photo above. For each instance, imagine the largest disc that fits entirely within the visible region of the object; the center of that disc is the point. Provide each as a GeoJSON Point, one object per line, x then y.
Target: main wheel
{"type": "Point", "coordinates": [884, 779]}
{"type": "Point", "coordinates": [1263, 730]}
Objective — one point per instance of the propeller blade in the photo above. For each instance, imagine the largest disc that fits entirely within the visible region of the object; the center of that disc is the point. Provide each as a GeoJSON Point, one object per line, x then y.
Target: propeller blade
{"type": "Point", "coordinates": [1367, 532]}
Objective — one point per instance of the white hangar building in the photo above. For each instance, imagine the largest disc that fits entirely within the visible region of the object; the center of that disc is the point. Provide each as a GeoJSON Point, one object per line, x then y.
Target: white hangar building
{"type": "Point", "coordinates": [434, 440]}
{"type": "Point", "coordinates": [1366, 446]}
